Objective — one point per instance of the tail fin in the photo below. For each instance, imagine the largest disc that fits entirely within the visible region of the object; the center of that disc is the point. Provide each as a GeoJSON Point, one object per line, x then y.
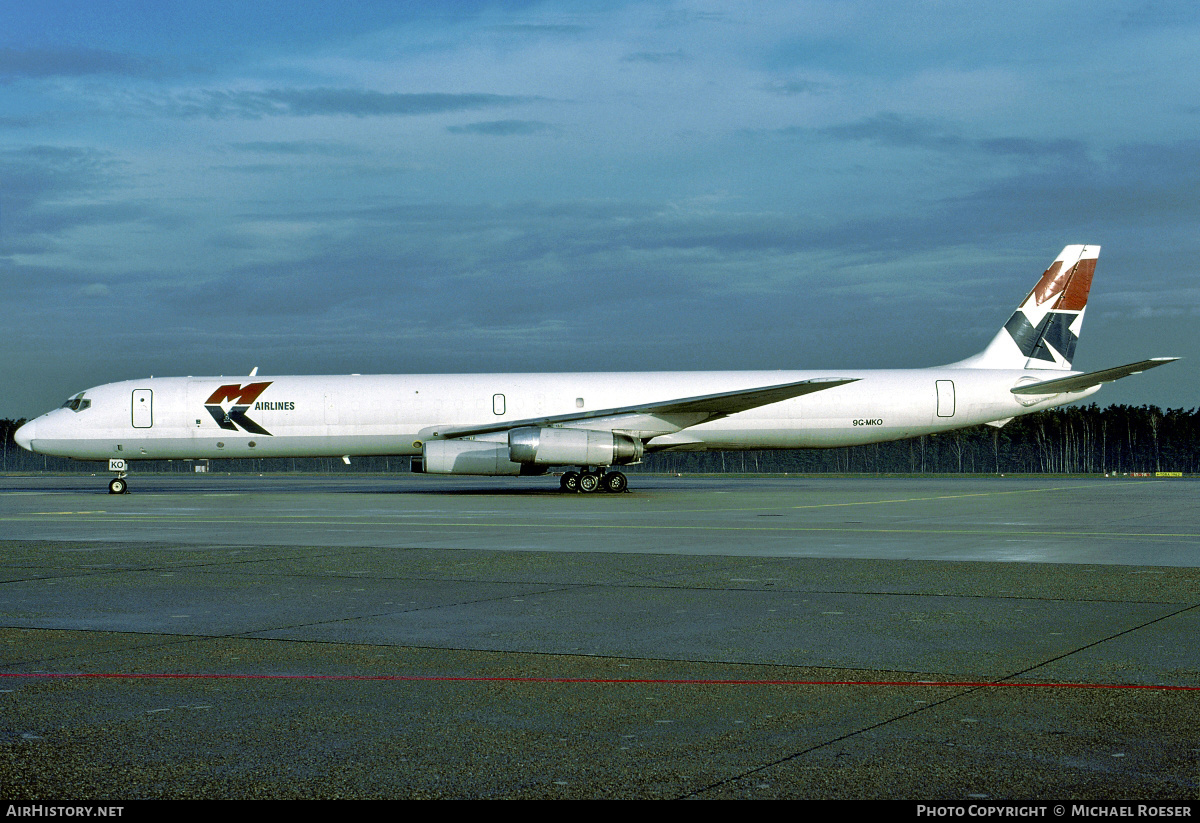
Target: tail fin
{"type": "Point", "coordinates": [1044, 329]}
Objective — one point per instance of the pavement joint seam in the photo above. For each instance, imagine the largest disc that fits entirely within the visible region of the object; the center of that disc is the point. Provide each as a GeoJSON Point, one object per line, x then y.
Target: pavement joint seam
{"type": "Point", "coordinates": [1098, 642]}
{"type": "Point", "coordinates": [779, 761]}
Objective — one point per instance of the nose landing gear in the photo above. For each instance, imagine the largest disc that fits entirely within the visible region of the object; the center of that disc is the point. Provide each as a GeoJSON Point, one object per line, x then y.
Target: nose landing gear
{"type": "Point", "coordinates": [118, 485]}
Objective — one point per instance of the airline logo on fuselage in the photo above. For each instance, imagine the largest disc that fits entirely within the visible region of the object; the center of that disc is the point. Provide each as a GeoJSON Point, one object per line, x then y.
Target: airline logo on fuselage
{"type": "Point", "coordinates": [242, 398]}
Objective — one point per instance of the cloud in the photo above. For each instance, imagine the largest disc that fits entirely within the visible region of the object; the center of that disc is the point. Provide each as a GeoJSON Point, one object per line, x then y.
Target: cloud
{"type": "Point", "coordinates": [335, 102]}
{"type": "Point", "coordinates": [40, 173]}
{"type": "Point", "coordinates": [793, 88]}
{"type": "Point", "coordinates": [502, 128]}
{"type": "Point", "coordinates": [657, 57]}
{"type": "Point", "coordinates": [896, 131]}
{"type": "Point", "coordinates": [891, 129]}
{"type": "Point", "coordinates": [296, 148]}
{"type": "Point", "coordinates": [71, 62]}
{"type": "Point", "coordinates": [1064, 149]}
{"type": "Point", "coordinates": [1130, 187]}
{"type": "Point", "coordinates": [540, 28]}
{"type": "Point", "coordinates": [1162, 13]}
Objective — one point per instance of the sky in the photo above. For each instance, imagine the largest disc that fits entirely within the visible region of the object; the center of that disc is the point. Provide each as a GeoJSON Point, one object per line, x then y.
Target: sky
{"type": "Point", "coordinates": [201, 188]}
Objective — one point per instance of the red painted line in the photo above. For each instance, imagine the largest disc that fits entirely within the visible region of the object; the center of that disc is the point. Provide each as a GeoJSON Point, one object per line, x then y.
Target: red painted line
{"type": "Point", "coordinates": [943, 684]}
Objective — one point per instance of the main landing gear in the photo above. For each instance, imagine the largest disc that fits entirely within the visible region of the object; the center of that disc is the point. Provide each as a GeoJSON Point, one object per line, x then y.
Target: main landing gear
{"type": "Point", "coordinates": [590, 480]}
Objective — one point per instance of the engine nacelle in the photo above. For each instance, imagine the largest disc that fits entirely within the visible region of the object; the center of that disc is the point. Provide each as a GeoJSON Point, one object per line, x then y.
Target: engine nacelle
{"type": "Point", "coordinates": [470, 457]}
{"type": "Point", "coordinates": [575, 447]}
{"type": "Point", "coordinates": [467, 457]}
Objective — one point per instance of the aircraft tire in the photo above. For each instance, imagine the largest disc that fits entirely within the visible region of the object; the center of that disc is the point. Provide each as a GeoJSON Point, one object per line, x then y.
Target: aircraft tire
{"type": "Point", "coordinates": [118, 486]}
{"type": "Point", "coordinates": [569, 482]}
{"type": "Point", "coordinates": [615, 482]}
{"type": "Point", "coordinates": [589, 482]}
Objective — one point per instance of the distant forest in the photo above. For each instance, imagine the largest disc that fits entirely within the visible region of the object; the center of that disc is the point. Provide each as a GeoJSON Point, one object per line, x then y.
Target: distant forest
{"type": "Point", "coordinates": [1076, 439]}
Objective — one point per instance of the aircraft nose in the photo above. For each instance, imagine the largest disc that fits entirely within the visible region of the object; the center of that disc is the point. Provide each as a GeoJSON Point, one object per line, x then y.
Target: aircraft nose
{"type": "Point", "coordinates": [24, 435]}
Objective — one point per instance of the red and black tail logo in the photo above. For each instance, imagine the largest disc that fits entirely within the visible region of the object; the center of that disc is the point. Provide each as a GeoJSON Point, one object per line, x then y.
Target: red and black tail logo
{"type": "Point", "coordinates": [242, 398]}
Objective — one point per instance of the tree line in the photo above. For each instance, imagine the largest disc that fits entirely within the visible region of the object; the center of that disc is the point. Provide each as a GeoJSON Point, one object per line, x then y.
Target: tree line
{"type": "Point", "coordinates": [1074, 439]}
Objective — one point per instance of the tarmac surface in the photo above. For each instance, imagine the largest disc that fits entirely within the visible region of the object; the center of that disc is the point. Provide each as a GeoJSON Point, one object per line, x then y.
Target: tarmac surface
{"type": "Point", "coordinates": [962, 640]}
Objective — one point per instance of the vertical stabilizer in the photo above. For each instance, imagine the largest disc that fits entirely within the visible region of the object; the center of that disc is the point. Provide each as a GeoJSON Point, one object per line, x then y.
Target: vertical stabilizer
{"type": "Point", "coordinates": [1044, 329]}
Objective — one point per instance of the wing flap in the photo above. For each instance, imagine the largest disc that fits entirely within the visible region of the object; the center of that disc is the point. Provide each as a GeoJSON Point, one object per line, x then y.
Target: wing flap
{"type": "Point", "coordinates": [1079, 382]}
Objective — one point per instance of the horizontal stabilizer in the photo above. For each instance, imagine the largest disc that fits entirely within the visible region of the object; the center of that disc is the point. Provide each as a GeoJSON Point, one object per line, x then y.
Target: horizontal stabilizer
{"type": "Point", "coordinates": [1079, 382]}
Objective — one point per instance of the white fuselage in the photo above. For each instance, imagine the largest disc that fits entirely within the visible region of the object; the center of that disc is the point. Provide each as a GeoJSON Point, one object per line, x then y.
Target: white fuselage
{"type": "Point", "coordinates": [324, 416]}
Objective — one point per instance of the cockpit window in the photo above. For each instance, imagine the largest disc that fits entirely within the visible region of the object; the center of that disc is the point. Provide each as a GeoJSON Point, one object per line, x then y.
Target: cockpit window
{"type": "Point", "coordinates": [77, 403]}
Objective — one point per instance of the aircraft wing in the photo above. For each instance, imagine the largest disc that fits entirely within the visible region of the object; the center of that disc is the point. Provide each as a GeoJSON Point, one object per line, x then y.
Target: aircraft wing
{"type": "Point", "coordinates": [660, 417]}
{"type": "Point", "coordinates": [1078, 382]}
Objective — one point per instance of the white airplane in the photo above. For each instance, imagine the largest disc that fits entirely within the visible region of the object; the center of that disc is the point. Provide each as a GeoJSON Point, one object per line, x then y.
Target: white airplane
{"type": "Point", "coordinates": [525, 424]}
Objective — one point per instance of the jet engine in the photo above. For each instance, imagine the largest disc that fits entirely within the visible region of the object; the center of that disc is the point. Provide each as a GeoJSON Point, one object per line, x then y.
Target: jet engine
{"type": "Point", "coordinates": [530, 450]}
{"type": "Point", "coordinates": [576, 447]}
